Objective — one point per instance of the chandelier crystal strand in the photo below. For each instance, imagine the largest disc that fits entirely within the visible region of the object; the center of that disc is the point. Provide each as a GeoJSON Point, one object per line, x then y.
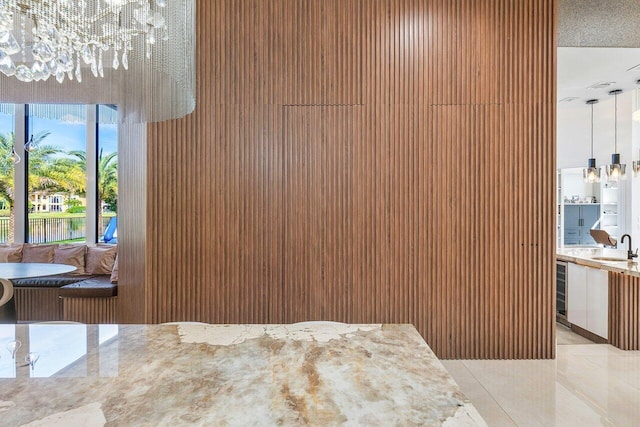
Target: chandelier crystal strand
{"type": "Point", "coordinates": [62, 28]}
{"type": "Point", "coordinates": [146, 89]}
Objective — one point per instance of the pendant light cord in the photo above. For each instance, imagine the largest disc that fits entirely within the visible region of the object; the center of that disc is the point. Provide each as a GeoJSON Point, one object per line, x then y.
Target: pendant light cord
{"type": "Point", "coordinates": [592, 131]}
{"type": "Point", "coordinates": [615, 129]}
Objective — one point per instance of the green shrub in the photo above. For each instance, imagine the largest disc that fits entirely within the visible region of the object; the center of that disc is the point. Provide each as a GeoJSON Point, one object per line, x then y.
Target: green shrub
{"type": "Point", "coordinates": [77, 209]}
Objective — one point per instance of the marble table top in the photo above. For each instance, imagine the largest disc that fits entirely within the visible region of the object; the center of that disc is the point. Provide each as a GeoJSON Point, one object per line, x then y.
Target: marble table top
{"type": "Point", "coordinates": [314, 373]}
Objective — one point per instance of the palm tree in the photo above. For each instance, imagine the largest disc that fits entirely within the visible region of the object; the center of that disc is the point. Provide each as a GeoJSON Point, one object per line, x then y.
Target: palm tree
{"type": "Point", "coordinates": [6, 177]}
{"type": "Point", "coordinates": [50, 172]}
{"type": "Point", "coordinates": [107, 176]}
{"type": "Point", "coordinates": [7, 142]}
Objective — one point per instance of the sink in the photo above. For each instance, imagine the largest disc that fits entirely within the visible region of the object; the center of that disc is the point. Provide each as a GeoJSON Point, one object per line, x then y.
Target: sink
{"type": "Point", "coordinates": [608, 258]}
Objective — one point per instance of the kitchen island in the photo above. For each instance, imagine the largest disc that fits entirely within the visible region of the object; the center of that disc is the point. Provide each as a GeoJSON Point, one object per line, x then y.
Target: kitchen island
{"type": "Point", "coordinates": [314, 373]}
{"type": "Point", "coordinates": [589, 258]}
{"type": "Point", "coordinates": [623, 293]}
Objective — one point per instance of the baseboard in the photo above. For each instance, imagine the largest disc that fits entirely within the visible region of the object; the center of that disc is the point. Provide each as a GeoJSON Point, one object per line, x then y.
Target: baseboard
{"type": "Point", "coordinates": [588, 335]}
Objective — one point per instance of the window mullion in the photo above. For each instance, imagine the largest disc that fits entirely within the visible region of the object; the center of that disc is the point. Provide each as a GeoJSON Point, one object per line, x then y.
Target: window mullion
{"type": "Point", "coordinates": [20, 175]}
{"type": "Point", "coordinates": [92, 174]}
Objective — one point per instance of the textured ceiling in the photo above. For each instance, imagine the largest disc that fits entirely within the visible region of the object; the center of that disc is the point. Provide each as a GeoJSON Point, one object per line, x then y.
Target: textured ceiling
{"type": "Point", "coordinates": [598, 23]}
{"type": "Point", "coordinates": [598, 41]}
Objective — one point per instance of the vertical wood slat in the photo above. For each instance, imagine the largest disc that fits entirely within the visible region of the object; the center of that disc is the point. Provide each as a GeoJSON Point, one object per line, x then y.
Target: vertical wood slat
{"type": "Point", "coordinates": [363, 162]}
{"type": "Point", "coordinates": [90, 310]}
{"type": "Point", "coordinates": [624, 320]}
{"type": "Point", "coordinates": [37, 304]}
{"type": "Point", "coordinates": [132, 223]}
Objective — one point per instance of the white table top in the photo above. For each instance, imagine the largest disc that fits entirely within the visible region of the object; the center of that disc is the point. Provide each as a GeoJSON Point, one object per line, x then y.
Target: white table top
{"type": "Point", "coordinates": [20, 270]}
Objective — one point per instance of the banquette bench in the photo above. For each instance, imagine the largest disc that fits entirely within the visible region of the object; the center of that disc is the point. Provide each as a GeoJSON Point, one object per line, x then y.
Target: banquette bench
{"type": "Point", "coordinates": [88, 295]}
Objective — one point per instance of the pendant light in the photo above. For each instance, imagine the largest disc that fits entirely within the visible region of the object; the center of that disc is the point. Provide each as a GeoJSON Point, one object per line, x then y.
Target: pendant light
{"type": "Point", "coordinates": [591, 173]}
{"type": "Point", "coordinates": [616, 171]}
{"type": "Point", "coordinates": [14, 156]}
{"type": "Point", "coordinates": [636, 168]}
{"type": "Point", "coordinates": [30, 145]}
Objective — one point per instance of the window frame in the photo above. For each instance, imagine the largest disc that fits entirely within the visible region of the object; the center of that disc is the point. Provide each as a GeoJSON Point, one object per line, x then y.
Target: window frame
{"type": "Point", "coordinates": [21, 127]}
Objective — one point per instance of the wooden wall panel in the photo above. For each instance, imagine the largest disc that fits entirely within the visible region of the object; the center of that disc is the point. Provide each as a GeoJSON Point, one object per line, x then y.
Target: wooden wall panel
{"type": "Point", "coordinates": [37, 304]}
{"type": "Point", "coordinates": [364, 161]}
{"type": "Point", "coordinates": [133, 287]}
{"type": "Point", "coordinates": [313, 57]}
{"type": "Point", "coordinates": [90, 310]}
{"type": "Point", "coordinates": [226, 227]}
{"type": "Point", "coordinates": [624, 317]}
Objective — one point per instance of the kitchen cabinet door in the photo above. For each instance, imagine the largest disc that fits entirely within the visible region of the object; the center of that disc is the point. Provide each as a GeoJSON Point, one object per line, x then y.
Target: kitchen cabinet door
{"type": "Point", "coordinates": [598, 302]}
{"type": "Point", "coordinates": [585, 236]}
{"type": "Point", "coordinates": [572, 216]}
{"type": "Point", "coordinates": [589, 215]}
{"type": "Point", "coordinates": [572, 235]}
{"type": "Point", "coordinates": [577, 295]}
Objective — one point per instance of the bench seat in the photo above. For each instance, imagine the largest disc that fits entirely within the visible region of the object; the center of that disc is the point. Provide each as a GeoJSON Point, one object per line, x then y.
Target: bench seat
{"type": "Point", "coordinates": [55, 281]}
{"type": "Point", "coordinates": [95, 287]}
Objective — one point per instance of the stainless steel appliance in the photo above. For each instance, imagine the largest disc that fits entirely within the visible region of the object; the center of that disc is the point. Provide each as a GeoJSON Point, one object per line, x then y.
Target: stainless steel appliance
{"type": "Point", "coordinates": [561, 292]}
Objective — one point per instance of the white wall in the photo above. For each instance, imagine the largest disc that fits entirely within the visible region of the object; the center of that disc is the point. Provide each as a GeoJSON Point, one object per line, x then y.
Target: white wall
{"type": "Point", "coordinates": [574, 132]}
{"type": "Point", "coordinates": [634, 218]}
{"type": "Point", "coordinates": [574, 185]}
{"type": "Point", "coordinates": [574, 140]}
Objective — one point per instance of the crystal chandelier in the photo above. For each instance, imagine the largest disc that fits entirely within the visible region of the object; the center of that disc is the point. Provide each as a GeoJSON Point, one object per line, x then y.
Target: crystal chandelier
{"type": "Point", "coordinates": [44, 38]}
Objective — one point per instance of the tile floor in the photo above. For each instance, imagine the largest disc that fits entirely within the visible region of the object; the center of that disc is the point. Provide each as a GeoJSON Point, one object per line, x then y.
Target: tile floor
{"type": "Point", "coordinates": [587, 385]}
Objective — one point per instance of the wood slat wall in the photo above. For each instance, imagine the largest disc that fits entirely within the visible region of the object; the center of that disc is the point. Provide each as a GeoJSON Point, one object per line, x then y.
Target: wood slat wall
{"type": "Point", "coordinates": [624, 317]}
{"type": "Point", "coordinates": [362, 161]}
{"type": "Point", "coordinates": [90, 310]}
{"type": "Point", "coordinates": [37, 304]}
{"type": "Point", "coordinates": [133, 285]}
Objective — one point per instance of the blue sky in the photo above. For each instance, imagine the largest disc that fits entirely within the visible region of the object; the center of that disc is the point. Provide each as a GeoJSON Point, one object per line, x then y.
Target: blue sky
{"type": "Point", "coordinates": [67, 136]}
{"type": "Point", "coordinates": [6, 123]}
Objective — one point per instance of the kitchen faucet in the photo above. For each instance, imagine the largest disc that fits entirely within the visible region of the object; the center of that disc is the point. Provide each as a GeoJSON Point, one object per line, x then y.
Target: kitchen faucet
{"type": "Point", "coordinates": [630, 254]}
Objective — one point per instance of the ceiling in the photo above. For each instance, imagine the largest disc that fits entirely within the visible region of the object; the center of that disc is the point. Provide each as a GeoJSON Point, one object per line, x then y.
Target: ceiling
{"type": "Point", "coordinates": [582, 67]}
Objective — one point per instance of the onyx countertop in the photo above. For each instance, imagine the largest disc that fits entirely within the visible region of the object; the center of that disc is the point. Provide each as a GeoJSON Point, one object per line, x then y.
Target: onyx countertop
{"type": "Point", "coordinates": [314, 373]}
{"type": "Point", "coordinates": [585, 256]}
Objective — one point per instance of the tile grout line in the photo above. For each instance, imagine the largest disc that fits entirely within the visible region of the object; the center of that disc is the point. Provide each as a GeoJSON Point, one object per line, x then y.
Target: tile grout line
{"type": "Point", "coordinates": [488, 392]}
{"type": "Point", "coordinates": [604, 414]}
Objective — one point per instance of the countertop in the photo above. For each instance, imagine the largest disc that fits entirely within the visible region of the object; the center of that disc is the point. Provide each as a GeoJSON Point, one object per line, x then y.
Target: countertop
{"type": "Point", "coordinates": [584, 256]}
{"type": "Point", "coordinates": [314, 373]}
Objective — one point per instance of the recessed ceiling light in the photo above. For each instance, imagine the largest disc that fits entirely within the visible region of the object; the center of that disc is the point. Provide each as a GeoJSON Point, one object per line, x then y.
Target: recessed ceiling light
{"type": "Point", "coordinates": [568, 99]}
{"type": "Point", "coordinates": [601, 85]}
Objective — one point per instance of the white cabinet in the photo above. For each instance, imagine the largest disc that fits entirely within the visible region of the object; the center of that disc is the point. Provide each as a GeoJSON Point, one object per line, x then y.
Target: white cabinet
{"type": "Point", "coordinates": [574, 194]}
{"type": "Point", "coordinates": [612, 218]}
{"type": "Point", "coordinates": [597, 302]}
{"type": "Point", "coordinates": [577, 295]}
{"type": "Point", "coordinates": [588, 298]}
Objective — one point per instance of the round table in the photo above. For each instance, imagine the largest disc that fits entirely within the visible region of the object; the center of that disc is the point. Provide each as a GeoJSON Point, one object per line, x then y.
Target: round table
{"type": "Point", "coordinates": [19, 270]}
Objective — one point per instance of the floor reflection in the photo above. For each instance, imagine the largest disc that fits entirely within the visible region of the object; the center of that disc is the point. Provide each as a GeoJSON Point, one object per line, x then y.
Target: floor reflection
{"type": "Point", "coordinates": [63, 350]}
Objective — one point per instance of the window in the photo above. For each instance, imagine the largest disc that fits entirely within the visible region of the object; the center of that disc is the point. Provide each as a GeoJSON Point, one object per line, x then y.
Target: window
{"type": "Point", "coordinates": [66, 188]}
{"type": "Point", "coordinates": [57, 170]}
{"type": "Point", "coordinates": [107, 173]}
{"type": "Point", "coordinates": [7, 123]}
